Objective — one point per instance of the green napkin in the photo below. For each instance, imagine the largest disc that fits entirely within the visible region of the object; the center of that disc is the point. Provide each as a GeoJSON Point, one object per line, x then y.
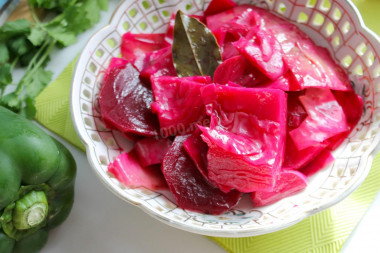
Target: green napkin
{"type": "Point", "coordinates": [323, 232]}
{"type": "Point", "coordinates": [53, 107]}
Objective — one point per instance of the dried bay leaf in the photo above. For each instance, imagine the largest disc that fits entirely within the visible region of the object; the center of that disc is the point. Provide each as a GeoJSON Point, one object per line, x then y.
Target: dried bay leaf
{"type": "Point", "coordinates": [195, 49]}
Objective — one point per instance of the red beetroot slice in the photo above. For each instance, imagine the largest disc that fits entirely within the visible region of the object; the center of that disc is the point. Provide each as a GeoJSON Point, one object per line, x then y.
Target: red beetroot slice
{"type": "Point", "coordinates": [189, 187]}
{"type": "Point", "coordinates": [127, 169]}
{"type": "Point", "coordinates": [239, 70]}
{"type": "Point", "coordinates": [160, 64]}
{"type": "Point", "coordinates": [197, 149]}
{"type": "Point", "coordinates": [217, 6]}
{"type": "Point", "coordinates": [152, 150]}
{"type": "Point", "coordinates": [325, 119]}
{"type": "Point", "coordinates": [263, 51]}
{"type": "Point", "coordinates": [125, 103]}
{"type": "Point", "coordinates": [115, 62]}
{"type": "Point", "coordinates": [178, 103]}
{"type": "Point", "coordinates": [288, 183]}
{"type": "Point", "coordinates": [134, 45]}
{"type": "Point", "coordinates": [246, 136]}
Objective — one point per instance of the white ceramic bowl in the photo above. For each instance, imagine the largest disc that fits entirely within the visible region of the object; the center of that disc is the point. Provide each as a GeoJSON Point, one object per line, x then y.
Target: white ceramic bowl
{"type": "Point", "coordinates": [334, 24]}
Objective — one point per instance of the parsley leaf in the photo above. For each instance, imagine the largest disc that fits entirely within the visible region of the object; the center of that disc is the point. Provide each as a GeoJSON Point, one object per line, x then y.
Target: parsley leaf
{"type": "Point", "coordinates": [39, 81]}
{"type": "Point", "coordinates": [92, 10]}
{"type": "Point", "coordinates": [19, 45]}
{"type": "Point", "coordinates": [47, 4]}
{"type": "Point", "coordinates": [76, 21]}
{"type": "Point", "coordinates": [5, 75]}
{"type": "Point", "coordinates": [59, 33]}
{"type": "Point", "coordinates": [11, 101]}
{"type": "Point", "coordinates": [29, 110]}
{"type": "Point", "coordinates": [25, 44]}
{"type": "Point", "coordinates": [37, 36]}
{"type": "Point", "coordinates": [13, 28]}
{"type": "Point", "coordinates": [103, 4]}
{"type": "Point", "coordinates": [4, 53]}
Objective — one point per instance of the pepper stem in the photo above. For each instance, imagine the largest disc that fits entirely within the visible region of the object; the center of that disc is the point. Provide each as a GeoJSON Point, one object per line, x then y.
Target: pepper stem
{"type": "Point", "coordinates": [31, 210]}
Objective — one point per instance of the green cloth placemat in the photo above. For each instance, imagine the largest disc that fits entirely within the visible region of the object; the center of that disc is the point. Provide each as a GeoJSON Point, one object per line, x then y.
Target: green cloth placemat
{"type": "Point", "coordinates": [323, 232]}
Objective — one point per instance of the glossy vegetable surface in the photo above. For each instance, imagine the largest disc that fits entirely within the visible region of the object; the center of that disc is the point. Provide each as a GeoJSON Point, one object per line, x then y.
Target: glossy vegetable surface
{"type": "Point", "coordinates": [37, 176]}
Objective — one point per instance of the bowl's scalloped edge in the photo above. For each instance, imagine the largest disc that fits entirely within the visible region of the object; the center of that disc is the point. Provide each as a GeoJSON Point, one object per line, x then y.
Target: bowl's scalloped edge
{"type": "Point", "coordinates": [90, 151]}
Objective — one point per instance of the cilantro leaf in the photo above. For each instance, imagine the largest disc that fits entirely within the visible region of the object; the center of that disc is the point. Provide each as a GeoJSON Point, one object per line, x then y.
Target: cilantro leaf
{"type": "Point", "coordinates": [103, 4]}
{"type": "Point", "coordinates": [24, 44]}
{"type": "Point", "coordinates": [29, 110]}
{"type": "Point", "coordinates": [25, 59]}
{"type": "Point", "coordinates": [4, 53]}
{"type": "Point", "coordinates": [52, 4]}
{"type": "Point", "coordinates": [76, 21]}
{"type": "Point", "coordinates": [40, 79]}
{"type": "Point", "coordinates": [36, 36]}
{"type": "Point", "coordinates": [47, 4]}
{"type": "Point", "coordinates": [11, 101]}
{"type": "Point", "coordinates": [14, 28]}
{"type": "Point", "coordinates": [19, 45]}
{"type": "Point", "coordinates": [5, 74]}
{"type": "Point", "coordinates": [92, 10]}
{"type": "Point", "coordinates": [63, 36]}
{"type": "Point", "coordinates": [66, 3]}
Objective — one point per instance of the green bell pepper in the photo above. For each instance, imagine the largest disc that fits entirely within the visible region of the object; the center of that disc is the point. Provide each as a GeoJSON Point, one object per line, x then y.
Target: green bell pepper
{"type": "Point", "coordinates": [37, 177]}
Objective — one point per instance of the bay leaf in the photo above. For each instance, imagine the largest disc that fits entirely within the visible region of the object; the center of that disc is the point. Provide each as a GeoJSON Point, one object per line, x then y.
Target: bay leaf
{"type": "Point", "coordinates": [195, 50]}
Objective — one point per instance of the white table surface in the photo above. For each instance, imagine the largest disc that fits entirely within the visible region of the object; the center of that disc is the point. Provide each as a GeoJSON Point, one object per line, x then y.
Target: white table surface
{"type": "Point", "coordinates": [101, 222]}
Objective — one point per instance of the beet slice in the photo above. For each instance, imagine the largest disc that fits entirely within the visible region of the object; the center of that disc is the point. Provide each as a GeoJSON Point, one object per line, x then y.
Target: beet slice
{"type": "Point", "coordinates": [134, 45]}
{"type": "Point", "coordinates": [189, 187]}
{"type": "Point", "coordinates": [125, 103]}
{"type": "Point", "coordinates": [197, 149]}
{"type": "Point", "coordinates": [217, 6]}
{"type": "Point", "coordinates": [178, 103]}
{"type": "Point", "coordinates": [246, 137]}
{"type": "Point", "coordinates": [115, 62]}
{"type": "Point", "coordinates": [152, 150]}
{"type": "Point", "coordinates": [127, 169]}
{"type": "Point", "coordinates": [288, 183]}
{"type": "Point", "coordinates": [325, 119]}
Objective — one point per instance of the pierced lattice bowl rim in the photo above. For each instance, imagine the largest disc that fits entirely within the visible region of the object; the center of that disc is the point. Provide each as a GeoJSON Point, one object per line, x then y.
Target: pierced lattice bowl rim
{"type": "Point", "coordinates": [103, 145]}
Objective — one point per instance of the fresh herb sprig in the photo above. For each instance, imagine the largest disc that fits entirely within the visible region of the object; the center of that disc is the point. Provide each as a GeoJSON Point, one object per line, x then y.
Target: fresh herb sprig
{"type": "Point", "coordinates": [28, 45]}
